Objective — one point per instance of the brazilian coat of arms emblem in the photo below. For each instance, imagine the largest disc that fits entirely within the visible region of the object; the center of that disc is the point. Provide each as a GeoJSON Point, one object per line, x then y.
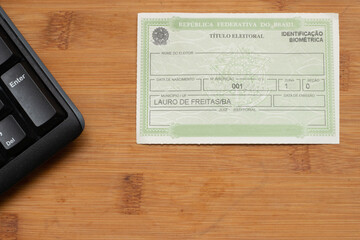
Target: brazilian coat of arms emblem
{"type": "Point", "coordinates": [160, 36]}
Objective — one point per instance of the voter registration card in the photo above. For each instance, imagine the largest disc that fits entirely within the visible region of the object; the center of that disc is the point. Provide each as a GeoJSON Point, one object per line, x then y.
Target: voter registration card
{"type": "Point", "coordinates": [238, 78]}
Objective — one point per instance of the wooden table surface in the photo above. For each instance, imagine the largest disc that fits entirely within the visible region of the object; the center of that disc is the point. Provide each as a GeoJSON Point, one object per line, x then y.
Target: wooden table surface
{"type": "Point", "coordinates": [105, 186]}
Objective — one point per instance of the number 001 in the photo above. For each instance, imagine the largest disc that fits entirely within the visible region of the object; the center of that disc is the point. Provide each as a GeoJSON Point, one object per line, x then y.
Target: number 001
{"type": "Point", "coordinates": [236, 86]}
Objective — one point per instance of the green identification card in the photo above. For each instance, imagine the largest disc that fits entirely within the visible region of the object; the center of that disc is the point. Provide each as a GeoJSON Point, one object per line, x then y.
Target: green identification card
{"type": "Point", "coordinates": [237, 78]}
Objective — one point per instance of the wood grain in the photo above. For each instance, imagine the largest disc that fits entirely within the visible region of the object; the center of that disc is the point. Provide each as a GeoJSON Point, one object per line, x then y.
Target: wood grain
{"type": "Point", "coordinates": [105, 186]}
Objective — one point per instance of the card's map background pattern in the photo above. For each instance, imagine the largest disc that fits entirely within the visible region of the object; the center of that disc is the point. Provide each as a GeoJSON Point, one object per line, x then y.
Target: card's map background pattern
{"type": "Point", "coordinates": [104, 186]}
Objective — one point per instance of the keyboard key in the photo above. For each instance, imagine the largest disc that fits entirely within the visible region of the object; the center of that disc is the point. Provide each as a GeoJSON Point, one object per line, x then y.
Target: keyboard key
{"type": "Point", "coordinates": [10, 132]}
{"type": "Point", "coordinates": [28, 94]}
{"type": "Point", "coordinates": [5, 52]}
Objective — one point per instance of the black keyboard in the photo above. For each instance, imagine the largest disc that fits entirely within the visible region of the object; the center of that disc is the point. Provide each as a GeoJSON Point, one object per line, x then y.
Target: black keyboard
{"type": "Point", "coordinates": [37, 118]}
